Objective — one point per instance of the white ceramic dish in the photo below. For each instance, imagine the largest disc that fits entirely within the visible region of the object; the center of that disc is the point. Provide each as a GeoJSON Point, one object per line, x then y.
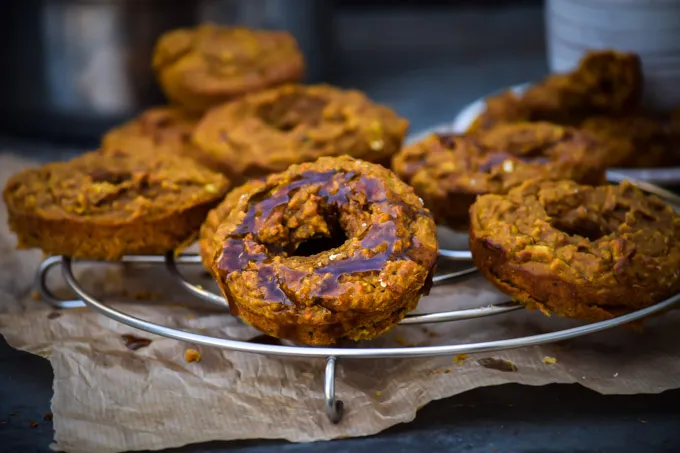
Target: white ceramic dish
{"type": "Point", "coordinates": [659, 176]}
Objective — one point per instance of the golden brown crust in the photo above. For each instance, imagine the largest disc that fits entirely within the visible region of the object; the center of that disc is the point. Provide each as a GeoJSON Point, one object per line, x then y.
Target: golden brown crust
{"type": "Point", "coordinates": [605, 83]}
{"type": "Point", "coordinates": [449, 172]}
{"type": "Point", "coordinates": [109, 203]}
{"type": "Point", "coordinates": [578, 251]}
{"type": "Point", "coordinates": [158, 130]}
{"type": "Point", "coordinates": [375, 251]}
{"type": "Point", "coordinates": [267, 132]}
{"type": "Point", "coordinates": [205, 66]}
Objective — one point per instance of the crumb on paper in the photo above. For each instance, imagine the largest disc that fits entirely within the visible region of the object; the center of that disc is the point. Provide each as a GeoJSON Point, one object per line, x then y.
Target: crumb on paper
{"type": "Point", "coordinates": [192, 355]}
{"type": "Point", "coordinates": [616, 374]}
{"type": "Point", "coordinates": [497, 364]}
{"type": "Point", "coordinates": [583, 377]}
{"type": "Point", "coordinates": [191, 317]}
{"type": "Point", "coordinates": [378, 394]}
{"type": "Point", "coordinates": [402, 342]}
{"type": "Point", "coordinates": [447, 371]}
{"type": "Point", "coordinates": [134, 343]}
{"type": "Point", "coordinates": [53, 315]}
{"type": "Point", "coordinates": [459, 359]}
{"type": "Point", "coordinates": [48, 416]}
{"type": "Point", "coordinates": [549, 360]}
{"type": "Point", "coordinates": [33, 425]}
{"type": "Point", "coordinates": [35, 295]}
{"type": "Point", "coordinates": [436, 371]}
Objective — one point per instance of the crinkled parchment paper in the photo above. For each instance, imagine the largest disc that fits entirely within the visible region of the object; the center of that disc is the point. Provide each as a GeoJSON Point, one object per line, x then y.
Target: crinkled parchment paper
{"type": "Point", "coordinates": [109, 398]}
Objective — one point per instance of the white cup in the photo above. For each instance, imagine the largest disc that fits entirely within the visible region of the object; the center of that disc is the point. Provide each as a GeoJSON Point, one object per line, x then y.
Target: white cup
{"type": "Point", "coordinates": [650, 28]}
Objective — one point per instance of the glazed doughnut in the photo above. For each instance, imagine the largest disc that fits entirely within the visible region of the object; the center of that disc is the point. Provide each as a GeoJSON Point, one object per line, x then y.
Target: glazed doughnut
{"type": "Point", "coordinates": [109, 203]}
{"type": "Point", "coordinates": [208, 65]}
{"type": "Point", "coordinates": [450, 171]}
{"type": "Point", "coordinates": [267, 132]}
{"type": "Point", "coordinates": [338, 248]}
{"type": "Point", "coordinates": [578, 251]}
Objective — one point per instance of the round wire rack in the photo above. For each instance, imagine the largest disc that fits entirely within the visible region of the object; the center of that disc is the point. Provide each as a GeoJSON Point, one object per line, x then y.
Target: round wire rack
{"type": "Point", "coordinates": [334, 407]}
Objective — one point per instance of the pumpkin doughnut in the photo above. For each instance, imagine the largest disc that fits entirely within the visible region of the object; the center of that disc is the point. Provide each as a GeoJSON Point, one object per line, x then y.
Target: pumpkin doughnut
{"type": "Point", "coordinates": [578, 251]}
{"type": "Point", "coordinates": [450, 171]}
{"type": "Point", "coordinates": [202, 67]}
{"type": "Point", "coordinates": [109, 203]}
{"type": "Point", "coordinates": [266, 132]}
{"type": "Point", "coordinates": [158, 130]}
{"type": "Point", "coordinates": [634, 141]}
{"type": "Point", "coordinates": [605, 83]}
{"type": "Point", "coordinates": [338, 248]}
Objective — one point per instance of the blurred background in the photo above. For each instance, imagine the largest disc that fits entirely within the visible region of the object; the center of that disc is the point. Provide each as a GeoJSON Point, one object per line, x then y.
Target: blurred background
{"type": "Point", "coordinates": [74, 68]}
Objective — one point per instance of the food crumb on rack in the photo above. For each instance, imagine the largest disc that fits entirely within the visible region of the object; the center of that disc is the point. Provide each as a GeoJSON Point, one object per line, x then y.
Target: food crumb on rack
{"type": "Point", "coordinates": [447, 371]}
{"type": "Point", "coordinates": [33, 425]}
{"type": "Point", "coordinates": [400, 340]}
{"type": "Point", "coordinates": [35, 295]}
{"type": "Point", "coordinates": [192, 355]}
{"type": "Point", "coordinates": [459, 359]}
{"type": "Point", "coordinates": [549, 360]}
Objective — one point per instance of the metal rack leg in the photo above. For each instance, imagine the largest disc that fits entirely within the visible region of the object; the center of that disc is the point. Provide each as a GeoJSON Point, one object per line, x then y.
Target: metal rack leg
{"type": "Point", "coordinates": [45, 292]}
{"type": "Point", "coordinates": [333, 407]}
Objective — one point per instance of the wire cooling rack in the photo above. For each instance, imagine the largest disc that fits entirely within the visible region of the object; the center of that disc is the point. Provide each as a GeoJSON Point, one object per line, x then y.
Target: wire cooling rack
{"type": "Point", "coordinates": [333, 406]}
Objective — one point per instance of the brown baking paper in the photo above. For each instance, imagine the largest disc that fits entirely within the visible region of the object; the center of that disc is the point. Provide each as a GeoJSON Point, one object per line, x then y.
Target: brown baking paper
{"type": "Point", "coordinates": [108, 398]}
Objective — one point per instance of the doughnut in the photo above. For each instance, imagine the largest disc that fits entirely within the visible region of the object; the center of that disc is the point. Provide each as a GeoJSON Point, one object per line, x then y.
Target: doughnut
{"type": "Point", "coordinates": [605, 83]}
{"type": "Point", "coordinates": [633, 141]}
{"type": "Point", "coordinates": [199, 68]}
{"type": "Point", "coordinates": [338, 248]}
{"type": "Point", "coordinates": [449, 171]}
{"type": "Point", "coordinates": [578, 251]}
{"type": "Point", "coordinates": [158, 130]}
{"type": "Point", "coordinates": [108, 203]}
{"type": "Point", "coordinates": [266, 132]}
